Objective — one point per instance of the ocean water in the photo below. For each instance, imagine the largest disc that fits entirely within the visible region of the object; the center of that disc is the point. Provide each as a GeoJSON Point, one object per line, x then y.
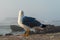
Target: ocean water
{"type": "Point", "coordinates": [5, 29]}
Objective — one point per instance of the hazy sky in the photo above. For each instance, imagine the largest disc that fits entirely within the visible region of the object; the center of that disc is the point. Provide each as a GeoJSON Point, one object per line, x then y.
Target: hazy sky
{"type": "Point", "coordinates": [41, 9]}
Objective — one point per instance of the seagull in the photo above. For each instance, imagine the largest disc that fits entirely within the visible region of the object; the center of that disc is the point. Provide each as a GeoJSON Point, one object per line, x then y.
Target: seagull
{"type": "Point", "coordinates": [27, 23]}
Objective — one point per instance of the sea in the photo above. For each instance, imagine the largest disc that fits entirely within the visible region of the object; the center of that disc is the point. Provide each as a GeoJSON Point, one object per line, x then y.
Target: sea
{"type": "Point", "coordinates": [5, 29]}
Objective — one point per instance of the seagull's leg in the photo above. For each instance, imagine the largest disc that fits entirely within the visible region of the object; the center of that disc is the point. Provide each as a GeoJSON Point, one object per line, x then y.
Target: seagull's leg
{"type": "Point", "coordinates": [27, 33]}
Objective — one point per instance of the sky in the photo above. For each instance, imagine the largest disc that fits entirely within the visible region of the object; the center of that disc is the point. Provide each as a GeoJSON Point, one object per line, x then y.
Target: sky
{"type": "Point", "coordinates": [46, 10]}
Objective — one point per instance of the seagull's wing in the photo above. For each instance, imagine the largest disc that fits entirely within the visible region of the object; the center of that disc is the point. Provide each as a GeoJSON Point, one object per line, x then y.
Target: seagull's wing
{"type": "Point", "coordinates": [30, 21]}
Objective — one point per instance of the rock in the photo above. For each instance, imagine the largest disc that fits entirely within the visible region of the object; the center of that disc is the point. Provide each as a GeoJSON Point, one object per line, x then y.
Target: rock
{"type": "Point", "coordinates": [1, 35]}
{"type": "Point", "coordinates": [47, 29]}
{"type": "Point", "coordinates": [8, 34]}
{"type": "Point", "coordinates": [15, 28]}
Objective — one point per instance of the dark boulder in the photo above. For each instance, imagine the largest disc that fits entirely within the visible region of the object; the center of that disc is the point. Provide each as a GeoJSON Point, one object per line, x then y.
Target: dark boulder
{"type": "Point", "coordinates": [16, 28]}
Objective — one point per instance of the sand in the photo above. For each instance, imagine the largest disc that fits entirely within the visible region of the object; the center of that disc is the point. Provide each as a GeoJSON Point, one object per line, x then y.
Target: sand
{"type": "Point", "coordinates": [48, 36]}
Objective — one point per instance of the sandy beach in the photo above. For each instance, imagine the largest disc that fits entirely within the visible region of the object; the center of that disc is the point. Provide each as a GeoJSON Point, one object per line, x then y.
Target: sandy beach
{"type": "Point", "coordinates": [51, 36]}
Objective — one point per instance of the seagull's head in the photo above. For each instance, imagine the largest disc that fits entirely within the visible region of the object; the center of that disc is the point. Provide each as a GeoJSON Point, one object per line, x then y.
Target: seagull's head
{"type": "Point", "coordinates": [21, 13]}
